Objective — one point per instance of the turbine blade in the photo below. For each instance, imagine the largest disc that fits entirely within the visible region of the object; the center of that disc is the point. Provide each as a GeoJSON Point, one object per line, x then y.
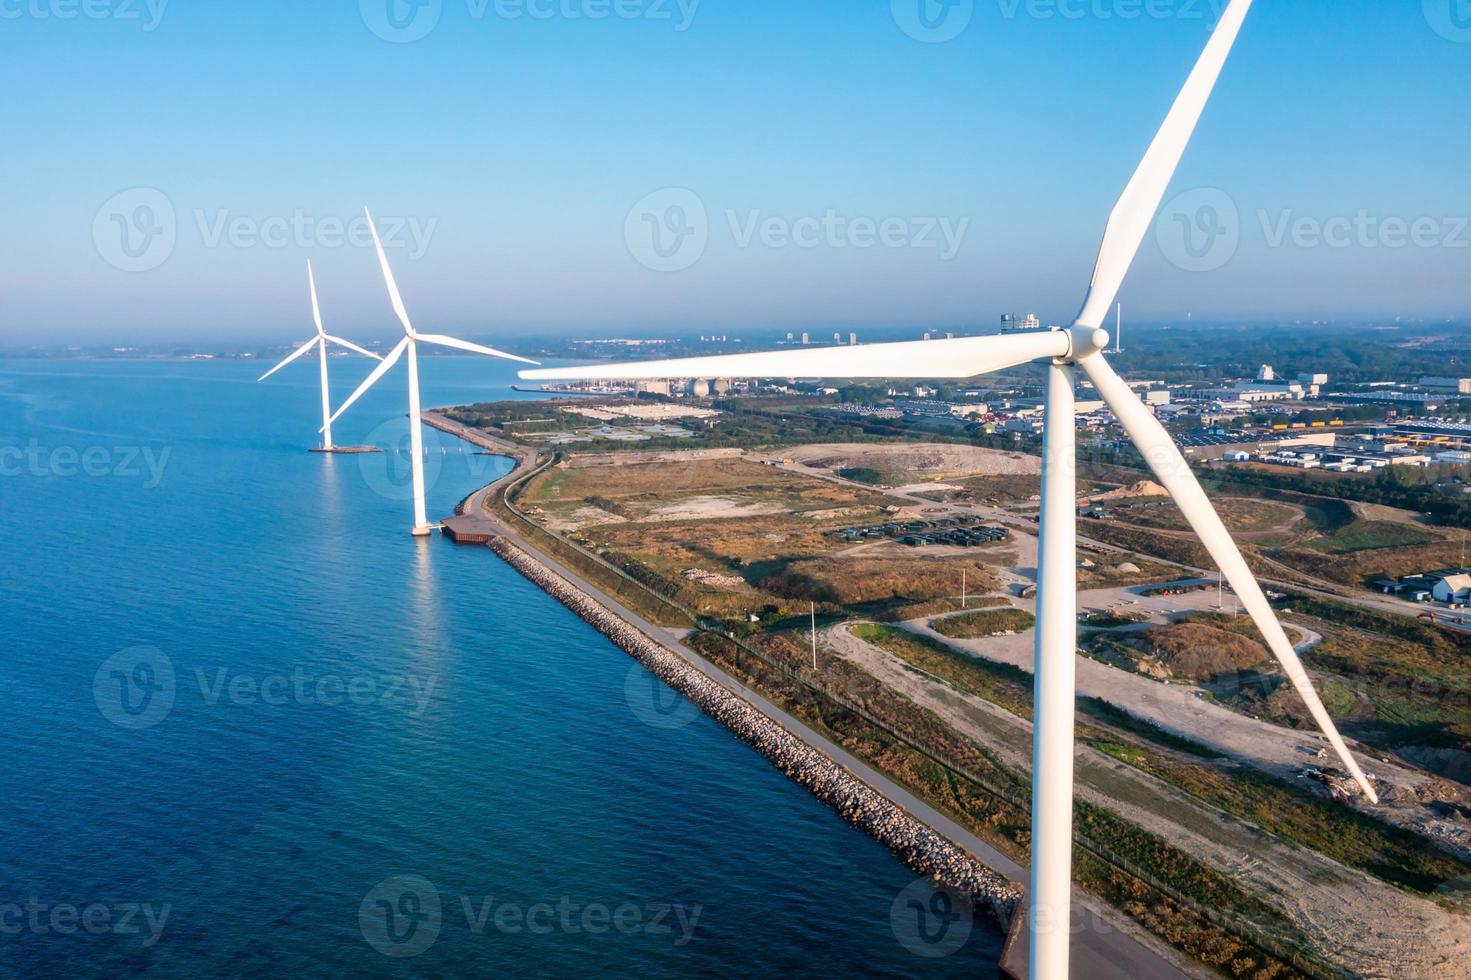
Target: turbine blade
{"type": "Point", "coordinates": [962, 358]}
{"type": "Point", "coordinates": [393, 294]}
{"type": "Point", "coordinates": [351, 346]}
{"type": "Point", "coordinates": [301, 351]}
{"type": "Point", "coordinates": [1136, 209]}
{"type": "Point", "coordinates": [372, 379]}
{"type": "Point", "coordinates": [443, 341]}
{"type": "Point", "coordinates": [1163, 456]}
{"type": "Point", "coordinates": [316, 310]}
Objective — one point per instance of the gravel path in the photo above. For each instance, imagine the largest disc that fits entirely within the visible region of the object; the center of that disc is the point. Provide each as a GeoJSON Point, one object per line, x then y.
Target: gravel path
{"type": "Point", "coordinates": [1358, 921]}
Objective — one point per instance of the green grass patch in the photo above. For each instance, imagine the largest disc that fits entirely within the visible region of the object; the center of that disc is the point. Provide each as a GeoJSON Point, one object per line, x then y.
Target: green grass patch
{"type": "Point", "coordinates": [1002, 685]}
{"type": "Point", "coordinates": [987, 622]}
{"type": "Point", "coordinates": [1393, 855]}
{"type": "Point", "coordinates": [1370, 536]}
{"type": "Point", "coordinates": [989, 798]}
{"type": "Point", "coordinates": [1396, 856]}
{"type": "Point", "coordinates": [863, 474]}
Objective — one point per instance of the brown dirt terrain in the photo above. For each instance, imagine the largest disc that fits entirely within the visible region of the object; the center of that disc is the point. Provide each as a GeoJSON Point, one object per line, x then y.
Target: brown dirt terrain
{"type": "Point", "coordinates": [1244, 516]}
{"type": "Point", "coordinates": [907, 462]}
{"type": "Point", "coordinates": [856, 581]}
{"type": "Point", "coordinates": [1194, 651]}
{"type": "Point", "coordinates": [736, 518]}
{"type": "Point", "coordinates": [1367, 927]}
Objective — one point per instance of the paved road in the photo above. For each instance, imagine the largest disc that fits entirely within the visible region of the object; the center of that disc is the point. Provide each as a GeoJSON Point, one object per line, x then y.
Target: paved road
{"type": "Point", "coordinates": [1106, 945]}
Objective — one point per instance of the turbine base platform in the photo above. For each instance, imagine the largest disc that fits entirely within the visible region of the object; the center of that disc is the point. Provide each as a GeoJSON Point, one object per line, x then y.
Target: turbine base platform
{"type": "Point", "coordinates": [347, 450]}
{"type": "Point", "coordinates": [423, 532]}
{"type": "Point", "coordinates": [467, 529]}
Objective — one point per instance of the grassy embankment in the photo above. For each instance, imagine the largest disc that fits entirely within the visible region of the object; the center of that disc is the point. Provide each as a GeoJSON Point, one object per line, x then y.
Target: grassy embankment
{"type": "Point", "coordinates": [989, 798]}
{"type": "Point", "coordinates": [986, 622]}
{"type": "Point", "coordinates": [1396, 856]}
{"type": "Point", "coordinates": [1391, 681]}
{"type": "Point", "coordinates": [992, 800]}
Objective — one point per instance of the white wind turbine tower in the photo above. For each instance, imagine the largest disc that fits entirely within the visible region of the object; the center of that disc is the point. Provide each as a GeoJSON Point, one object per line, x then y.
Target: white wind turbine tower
{"type": "Point", "coordinates": [1080, 346]}
{"type": "Point", "coordinates": [410, 344]}
{"type": "Point", "coordinates": [319, 344]}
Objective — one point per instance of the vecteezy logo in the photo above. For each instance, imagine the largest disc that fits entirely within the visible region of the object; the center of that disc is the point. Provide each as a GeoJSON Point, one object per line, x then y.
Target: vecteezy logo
{"type": "Point", "coordinates": [134, 688]}
{"type": "Point", "coordinates": [1200, 230]}
{"type": "Point", "coordinates": [668, 230]}
{"type": "Point", "coordinates": [401, 917]}
{"type": "Point", "coordinates": [401, 21]}
{"type": "Point", "coordinates": [931, 920]}
{"type": "Point", "coordinates": [390, 474]}
{"type": "Point", "coordinates": [933, 21]}
{"type": "Point", "coordinates": [136, 230]}
{"type": "Point", "coordinates": [654, 703]}
{"type": "Point", "coordinates": [1451, 19]}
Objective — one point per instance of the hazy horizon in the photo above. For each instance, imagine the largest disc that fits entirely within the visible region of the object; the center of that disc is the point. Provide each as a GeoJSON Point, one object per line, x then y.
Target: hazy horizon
{"type": "Point", "coordinates": [822, 167]}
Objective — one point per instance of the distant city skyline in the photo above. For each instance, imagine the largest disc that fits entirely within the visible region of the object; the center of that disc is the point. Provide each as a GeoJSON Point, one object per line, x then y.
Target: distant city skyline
{"type": "Point", "coordinates": [713, 167]}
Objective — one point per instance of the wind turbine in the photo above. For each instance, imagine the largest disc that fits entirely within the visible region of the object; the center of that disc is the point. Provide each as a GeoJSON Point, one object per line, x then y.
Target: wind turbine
{"type": "Point", "coordinates": [319, 343]}
{"type": "Point", "coordinates": [1080, 346]}
{"type": "Point", "coordinates": [410, 344]}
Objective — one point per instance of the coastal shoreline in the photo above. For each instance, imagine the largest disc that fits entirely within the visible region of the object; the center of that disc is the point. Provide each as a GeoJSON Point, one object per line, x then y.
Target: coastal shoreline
{"type": "Point", "coordinates": [931, 843]}
{"type": "Point", "coordinates": [923, 850]}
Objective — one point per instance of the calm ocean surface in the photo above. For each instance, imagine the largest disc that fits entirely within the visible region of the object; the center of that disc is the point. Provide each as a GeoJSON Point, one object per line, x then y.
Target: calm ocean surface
{"type": "Point", "coordinates": [253, 728]}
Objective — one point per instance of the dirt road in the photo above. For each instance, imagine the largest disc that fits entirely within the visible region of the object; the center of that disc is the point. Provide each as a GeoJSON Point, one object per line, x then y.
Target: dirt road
{"type": "Point", "coordinates": [1362, 923]}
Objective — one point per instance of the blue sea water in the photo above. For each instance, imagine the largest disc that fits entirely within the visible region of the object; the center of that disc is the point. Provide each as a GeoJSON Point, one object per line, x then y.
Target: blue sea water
{"type": "Point", "coordinates": [253, 728]}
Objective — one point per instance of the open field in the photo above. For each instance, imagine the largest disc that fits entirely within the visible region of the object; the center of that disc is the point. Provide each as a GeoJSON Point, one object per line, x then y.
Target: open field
{"type": "Point", "coordinates": [1391, 682]}
{"type": "Point", "coordinates": [897, 464]}
{"type": "Point", "coordinates": [731, 538]}
{"type": "Point", "coordinates": [1245, 517]}
{"type": "Point", "coordinates": [989, 797]}
{"type": "Point", "coordinates": [1336, 541]}
{"type": "Point", "coordinates": [1344, 868]}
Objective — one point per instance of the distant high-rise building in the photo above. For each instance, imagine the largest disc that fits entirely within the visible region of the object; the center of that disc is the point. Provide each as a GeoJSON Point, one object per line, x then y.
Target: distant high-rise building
{"type": "Point", "coordinates": [806, 339]}
{"type": "Point", "coordinates": [949, 336]}
{"type": "Point", "coordinates": [789, 336]}
{"type": "Point", "coordinates": [852, 340]}
{"type": "Point", "coordinates": [837, 338]}
{"type": "Point", "coordinates": [927, 335]}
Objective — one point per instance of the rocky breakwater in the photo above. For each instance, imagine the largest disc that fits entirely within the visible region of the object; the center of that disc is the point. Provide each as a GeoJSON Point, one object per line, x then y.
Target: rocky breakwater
{"type": "Point", "coordinates": [923, 850]}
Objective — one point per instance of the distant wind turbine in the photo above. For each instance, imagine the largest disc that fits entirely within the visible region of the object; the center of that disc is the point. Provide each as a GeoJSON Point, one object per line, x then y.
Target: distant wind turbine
{"type": "Point", "coordinates": [410, 344]}
{"type": "Point", "coordinates": [1082, 345]}
{"type": "Point", "coordinates": [319, 343]}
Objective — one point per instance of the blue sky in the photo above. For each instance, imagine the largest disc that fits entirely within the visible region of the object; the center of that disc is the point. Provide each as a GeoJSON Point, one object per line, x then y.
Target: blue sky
{"type": "Point", "coordinates": [513, 149]}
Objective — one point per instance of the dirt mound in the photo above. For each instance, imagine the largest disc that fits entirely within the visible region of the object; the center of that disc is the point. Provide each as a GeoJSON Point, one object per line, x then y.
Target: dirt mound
{"type": "Point", "coordinates": [1192, 651]}
{"type": "Point", "coordinates": [1144, 488]}
{"type": "Point", "coordinates": [918, 460]}
{"type": "Point", "coordinates": [713, 579]}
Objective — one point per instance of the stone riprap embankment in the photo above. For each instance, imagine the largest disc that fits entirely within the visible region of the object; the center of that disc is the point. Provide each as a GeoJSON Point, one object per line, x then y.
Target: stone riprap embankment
{"type": "Point", "coordinates": [923, 850]}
